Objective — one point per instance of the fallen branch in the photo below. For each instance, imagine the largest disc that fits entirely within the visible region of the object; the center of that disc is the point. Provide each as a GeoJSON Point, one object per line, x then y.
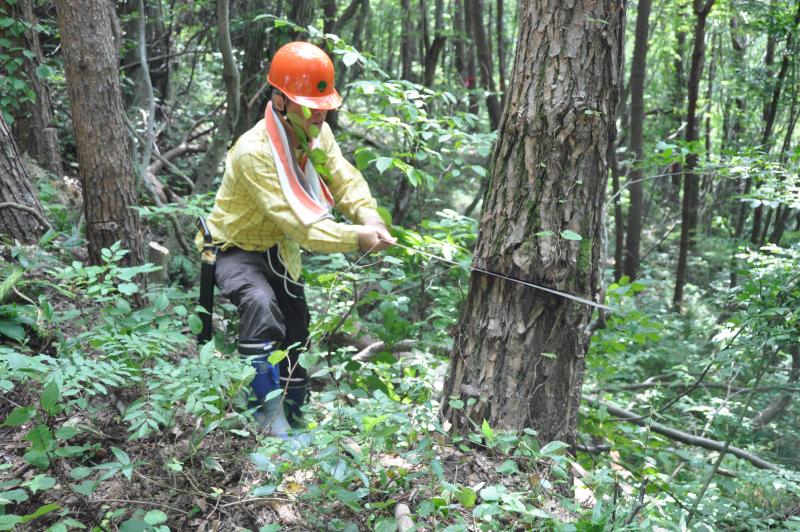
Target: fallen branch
{"type": "Point", "coordinates": [366, 353]}
{"type": "Point", "coordinates": [779, 404]}
{"type": "Point", "coordinates": [680, 436]}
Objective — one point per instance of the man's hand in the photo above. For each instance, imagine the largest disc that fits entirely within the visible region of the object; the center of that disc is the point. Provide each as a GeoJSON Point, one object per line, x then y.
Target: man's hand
{"type": "Point", "coordinates": [374, 237]}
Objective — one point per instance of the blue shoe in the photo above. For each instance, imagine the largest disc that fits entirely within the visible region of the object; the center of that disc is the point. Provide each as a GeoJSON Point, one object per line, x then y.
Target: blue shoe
{"type": "Point", "coordinates": [268, 404]}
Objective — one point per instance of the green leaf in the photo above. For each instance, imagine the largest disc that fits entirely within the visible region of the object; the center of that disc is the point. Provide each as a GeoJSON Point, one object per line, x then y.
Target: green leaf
{"type": "Point", "coordinates": [41, 437]}
{"type": "Point", "coordinates": [195, 324]}
{"type": "Point", "coordinates": [508, 467]}
{"type": "Point", "coordinates": [80, 473]}
{"type": "Point", "coordinates": [385, 215]}
{"type": "Point", "coordinates": [8, 522]}
{"type": "Point", "coordinates": [37, 458]}
{"type": "Point", "coordinates": [13, 496]}
{"type": "Point", "coordinates": [350, 58]}
{"type": "Point", "coordinates": [571, 235]}
{"type": "Point", "coordinates": [456, 404]}
{"type": "Point", "coordinates": [121, 455]}
{"type": "Point", "coordinates": [263, 491]}
{"type": "Point", "coordinates": [437, 469]}
{"type": "Point", "coordinates": [134, 525]}
{"type": "Point", "coordinates": [552, 448]}
{"type": "Point", "coordinates": [44, 72]}
{"type": "Point", "coordinates": [383, 163]}
{"type": "Point", "coordinates": [49, 398]}
{"type": "Point", "coordinates": [46, 509]}
{"type": "Point", "coordinates": [19, 416]}
{"type": "Point", "coordinates": [363, 157]}
{"type": "Point", "coordinates": [66, 432]}
{"type": "Point", "coordinates": [40, 483]}
{"type": "Point", "coordinates": [12, 330]}
{"type": "Point", "coordinates": [492, 493]}
{"type": "Point", "coordinates": [277, 356]}
{"type": "Point", "coordinates": [318, 156]}
{"type": "Point", "coordinates": [487, 431]}
{"type": "Point", "coordinates": [155, 517]}
{"type": "Point", "coordinates": [128, 288]}
{"type": "Point", "coordinates": [386, 525]}
{"type": "Point", "coordinates": [85, 488]}
{"type": "Point", "coordinates": [467, 497]}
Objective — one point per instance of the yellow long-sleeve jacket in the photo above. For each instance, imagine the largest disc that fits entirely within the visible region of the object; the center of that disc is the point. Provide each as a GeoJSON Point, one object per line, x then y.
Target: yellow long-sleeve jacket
{"type": "Point", "coordinates": [251, 212]}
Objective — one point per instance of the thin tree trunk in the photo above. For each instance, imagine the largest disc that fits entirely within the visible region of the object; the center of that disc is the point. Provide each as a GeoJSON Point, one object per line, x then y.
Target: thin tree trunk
{"type": "Point", "coordinates": [253, 42]}
{"type": "Point", "coordinates": [739, 45]}
{"type": "Point", "coordinates": [619, 220]}
{"type": "Point", "coordinates": [407, 41]}
{"type": "Point", "coordinates": [635, 186]}
{"type": "Point", "coordinates": [472, 74]}
{"type": "Point", "coordinates": [691, 181]}
{"type": "Point", "coordinates": [437, 45]}
{"type": "Point", "coordinates": [518, 357]}
{"type": "Point", "coordinates": [19, 205]}
{"type": "Point", "coordinates": [209, 166]}
{"type": "Point", "coordinates": [484, 61]}
{"type": "Point", "coordinates": [33, 125]}
{"type": "Point", "coordinates": [678, 100]}
{"type": "Point", "coordinates": [501, 52]}
{"type": "Point", "coordinates": [88, 29]}
{"type": "Point", "coordinates": [771, 111]}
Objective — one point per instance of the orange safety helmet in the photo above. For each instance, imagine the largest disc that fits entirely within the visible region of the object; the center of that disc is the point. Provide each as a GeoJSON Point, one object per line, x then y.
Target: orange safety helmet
{"type": "Point", "coordinates": [304, 73]}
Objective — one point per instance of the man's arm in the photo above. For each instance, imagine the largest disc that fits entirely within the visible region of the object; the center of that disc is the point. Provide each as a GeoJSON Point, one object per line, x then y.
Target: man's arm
{"type": "Point", "coordinates": [349, 188]}
{"type": "Point", "coordinates": [256, 174]}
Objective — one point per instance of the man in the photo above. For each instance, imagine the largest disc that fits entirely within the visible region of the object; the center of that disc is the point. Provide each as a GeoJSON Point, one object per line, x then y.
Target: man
{"type": "Point", "coordinates": [275, 196]}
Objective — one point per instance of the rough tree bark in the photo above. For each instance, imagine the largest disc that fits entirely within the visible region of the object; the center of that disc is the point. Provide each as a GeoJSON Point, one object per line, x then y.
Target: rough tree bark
{"type": "Point", "coordinates": [518, 358]}
{"type": "Point", "coordinates": [88, 30]}
{"type": "Point", "coordinates": [33, 123]}
{"type": "Point", "coordinates": [21, 214]}
{"type": "Point", "coordinates": [691, 181]}
{"type": "Point", "coordinates": [635, 185]}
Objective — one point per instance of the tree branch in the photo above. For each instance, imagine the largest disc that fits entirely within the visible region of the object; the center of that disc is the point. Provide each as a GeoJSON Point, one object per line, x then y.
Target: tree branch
{"type": "Point", "coordinates": [30, 210]}
{"type": "Point", "coordinates": [680, 436]}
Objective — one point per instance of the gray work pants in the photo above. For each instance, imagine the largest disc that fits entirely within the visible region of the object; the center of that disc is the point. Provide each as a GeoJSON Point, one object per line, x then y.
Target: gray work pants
{"type": "Point", "coordinates": [271, 309]}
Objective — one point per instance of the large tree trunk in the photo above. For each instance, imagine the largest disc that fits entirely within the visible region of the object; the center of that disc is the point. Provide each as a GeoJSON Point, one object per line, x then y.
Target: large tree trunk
{"type": "Point", "coordinates": [691, 181]}
{"type": "Point", "coordinates": [485, 61]}
{"type": "Point", "coordinates": [33, 123]}
{"type": "Point", "coordinates": [518, 359]}
{"type": "Point", "coordinates": [635, 186]}
{"type": "Point", "coordinates": [88, 30]}
{"type": "Point", "coordinates": [20, 212]}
